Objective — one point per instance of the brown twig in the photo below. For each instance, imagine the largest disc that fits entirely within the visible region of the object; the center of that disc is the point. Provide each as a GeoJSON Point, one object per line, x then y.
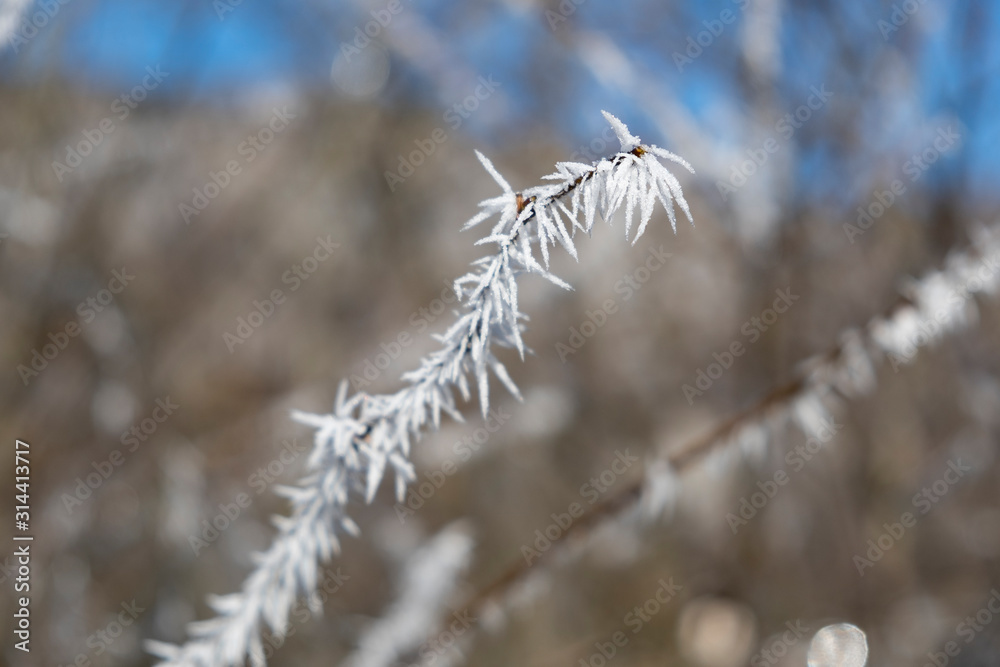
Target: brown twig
{"type": "Point", "coordinates": [681, 459]}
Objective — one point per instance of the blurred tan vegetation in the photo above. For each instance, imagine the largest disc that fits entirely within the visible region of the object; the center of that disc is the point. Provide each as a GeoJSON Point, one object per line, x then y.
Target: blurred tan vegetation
{"type": "Point", "coordinates": [324, 176]}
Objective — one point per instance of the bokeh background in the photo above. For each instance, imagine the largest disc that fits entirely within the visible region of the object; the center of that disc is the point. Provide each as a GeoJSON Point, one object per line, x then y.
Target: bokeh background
{"type": "Point", "coordinates": [375, 154]}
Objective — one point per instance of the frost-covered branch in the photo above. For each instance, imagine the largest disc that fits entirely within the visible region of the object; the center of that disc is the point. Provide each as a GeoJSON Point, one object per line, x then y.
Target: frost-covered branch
{"type": "Point", "coordinates": [366, 435]}
{"type": "Point", "coordinates": [930, 308]}
{"type": "Point", "coordinates": [428, 580]}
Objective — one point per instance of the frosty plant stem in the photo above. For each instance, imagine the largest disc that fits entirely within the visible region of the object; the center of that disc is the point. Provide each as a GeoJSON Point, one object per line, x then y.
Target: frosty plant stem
{"type": "Point", "coordinates": [365, 433]}
{"type": "Point", "coordinates": [938, 304]}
